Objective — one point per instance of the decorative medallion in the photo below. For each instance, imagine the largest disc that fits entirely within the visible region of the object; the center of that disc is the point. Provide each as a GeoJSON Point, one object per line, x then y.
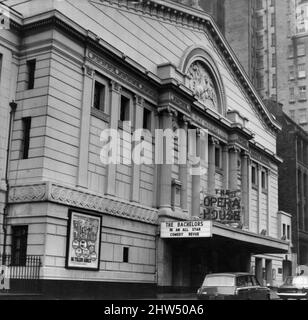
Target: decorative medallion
{"type": "Point", "coordinates": [200, 82]}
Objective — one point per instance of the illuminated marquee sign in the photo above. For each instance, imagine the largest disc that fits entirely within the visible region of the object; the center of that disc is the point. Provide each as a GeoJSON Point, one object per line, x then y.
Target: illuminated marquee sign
{"type": "Point", "coordinates": [186, 229]}
{"type": "Point", "coordinates": [224, 207]}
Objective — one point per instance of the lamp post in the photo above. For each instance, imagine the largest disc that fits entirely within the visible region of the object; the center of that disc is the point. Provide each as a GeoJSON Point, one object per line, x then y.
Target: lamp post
{"type": "Point", "coordinates": [13, 106]}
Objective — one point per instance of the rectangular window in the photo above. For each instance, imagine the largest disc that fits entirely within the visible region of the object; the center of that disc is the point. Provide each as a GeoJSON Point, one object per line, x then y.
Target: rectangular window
{"type": "Point", "coordinates": [31, 66]}
{"type": "Point", "coordinates": [292, 94]}
{"type": "Point", "coordinates": [301, 49]}
{"type": "Point", "coordinates": [254, 175]}
{"type": "Point", "coordinates": [288, 232]}
{"type": "Point", "coordinates": [274, 60]}
{"type": "Point", "coordinates": [124, 111]}
{"type": "Point", "coordinates": [301, 71]}
{"type": "Point", "coordinates": [99, 96]}
{"type": "Point", "coordinates": [19, 245]}
{"type": "Point", "coordinates": [290, 51]}
{"type": "Point", "coordinates": [302, 93]}
{"type": "Point", "coordinates": [259, 4]}
{"type": "Point", "coordinates": [260, 41]}
{"type": "Point", "coordinates": [259, 22]}
{"type": "Point", "coordinates": [147, 115]}
{"type": "Point", "coordinates": [284, 230]}
{"type": "Point", "coordinates": [291, 73]}
{"type": "Point", "coordinates": [26, 127]}
{"type": "Point", "coordinates": [263, 179]}
{"type": "Point", "coordinates": [273, 20]}
{"type": "Point", "coordinates": [274, 81]}
{"type": "Point", "coordinates": [273, 39]}
{"type": "Point", "coordinates": [126, 254]}
{"type": "Point", "coordinates": [292, 114]}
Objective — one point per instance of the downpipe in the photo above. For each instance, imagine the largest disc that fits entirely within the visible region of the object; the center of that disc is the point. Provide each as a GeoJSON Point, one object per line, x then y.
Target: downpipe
{"type": "Point", "coordinates": [13, 107]}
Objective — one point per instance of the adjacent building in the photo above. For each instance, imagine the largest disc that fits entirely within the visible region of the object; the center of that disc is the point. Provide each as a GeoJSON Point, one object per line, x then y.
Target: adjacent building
{"type": "Point", "coordinates": [84, 67]}
{"type": "Point", "coordinates": [292, 147]}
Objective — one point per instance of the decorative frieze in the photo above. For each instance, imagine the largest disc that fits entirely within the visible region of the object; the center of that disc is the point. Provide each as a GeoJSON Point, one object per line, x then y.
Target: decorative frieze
{"type": "Point", "coordinates": [121, 75]}
{"type": "Point", "coordinates": [80, 199]}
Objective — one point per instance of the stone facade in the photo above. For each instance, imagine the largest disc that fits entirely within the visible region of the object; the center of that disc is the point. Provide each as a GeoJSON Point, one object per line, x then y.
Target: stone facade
{"type": "Point", "coordinates": [124, 65]}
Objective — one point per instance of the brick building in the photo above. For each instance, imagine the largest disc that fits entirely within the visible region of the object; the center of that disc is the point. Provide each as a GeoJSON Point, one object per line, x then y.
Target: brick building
{"type": "Point", "coordinates": [81, 67]}
{"type": "Point", "coordinates": [292, 147]}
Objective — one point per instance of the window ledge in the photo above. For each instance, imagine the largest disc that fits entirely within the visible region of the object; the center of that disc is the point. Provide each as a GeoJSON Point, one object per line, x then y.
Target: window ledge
{"type": "Point", "coordinates": [100, 115]}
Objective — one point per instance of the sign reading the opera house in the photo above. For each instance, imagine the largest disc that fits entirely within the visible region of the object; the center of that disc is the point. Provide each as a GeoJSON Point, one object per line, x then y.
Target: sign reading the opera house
{"type": "Point", "coordinates": [186, 229]}
{"type": "Point", "coordinates": [83, 244]}
{"type": "Point", "coordinates": [224, 207]}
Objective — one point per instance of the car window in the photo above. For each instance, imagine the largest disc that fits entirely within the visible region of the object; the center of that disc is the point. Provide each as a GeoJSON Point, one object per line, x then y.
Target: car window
{"type": "Point", "coordinates": [219, 281]}
{"type": "Point", "coordinates": [254, 281]}
{"type": "Point", "coordinates": [242, 281]}
{"type": "Point", "coordinates": [249, 281]}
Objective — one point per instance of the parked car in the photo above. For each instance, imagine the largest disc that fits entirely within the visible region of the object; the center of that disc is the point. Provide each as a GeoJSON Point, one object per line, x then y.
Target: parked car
{"type": "Point", "coordinates": [232, 286]}
{"type": "Point", "coordinates": [294, 288]}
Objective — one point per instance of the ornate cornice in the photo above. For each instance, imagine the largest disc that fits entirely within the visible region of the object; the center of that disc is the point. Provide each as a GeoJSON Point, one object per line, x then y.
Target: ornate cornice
{"type": "Point", "coordinates": [80, 199]}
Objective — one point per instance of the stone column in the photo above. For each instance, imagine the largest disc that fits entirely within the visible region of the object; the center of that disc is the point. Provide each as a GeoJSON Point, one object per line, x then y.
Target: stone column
{"type": "Point", "coordinates": [82, 176]}
{"type": "Point", "coordinates": [183, 168]}
{"type": "Point", "coordinates": [268, 173]}
{"type": "Point", "coordinates": [165, 175]}
{"type": "Point", "coordinates": [233, 167]}
{"type": "Point", "coordinates": [196, 179]}
{"type": "Point", "coordinates": [139, 105]}
{"type": "Point", "coordinates": [259, 269]}
{"type": "Point", "coordinates": [245, 187]}
{"type": "Point", "coordinates": [116, 90]}
{"type": "Point", "coordinates": [259, 196]}
{"type": "Point", "coordinates": [225, 160]}
{"type": "Point", "coordinates": [211, 172]}
{"type": "Point", "coordinates": [164, 263]}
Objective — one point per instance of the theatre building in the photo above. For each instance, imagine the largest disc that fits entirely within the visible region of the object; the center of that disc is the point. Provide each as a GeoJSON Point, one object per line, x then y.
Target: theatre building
{"type": "Point", "coordinates": [129, 229]}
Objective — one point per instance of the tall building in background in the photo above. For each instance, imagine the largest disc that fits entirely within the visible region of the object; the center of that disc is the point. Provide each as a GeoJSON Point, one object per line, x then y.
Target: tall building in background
{"type": "Point", "coordinates": [292, 49]}
{"type": "Point", "coordinates": [270, 39]}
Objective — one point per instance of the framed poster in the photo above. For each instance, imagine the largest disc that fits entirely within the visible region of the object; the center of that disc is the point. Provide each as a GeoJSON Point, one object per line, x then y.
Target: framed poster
{"type": "Point", "coordinates": [83, 241]}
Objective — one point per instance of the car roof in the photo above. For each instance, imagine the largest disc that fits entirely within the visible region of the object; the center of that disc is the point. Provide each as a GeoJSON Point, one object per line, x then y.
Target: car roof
{"type": "Point", "coordinates": [231, 274]}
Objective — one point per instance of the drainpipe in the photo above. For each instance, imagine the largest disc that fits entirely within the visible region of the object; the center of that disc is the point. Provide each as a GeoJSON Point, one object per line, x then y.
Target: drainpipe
{"type": "Point", "coordinates": [13, 106]}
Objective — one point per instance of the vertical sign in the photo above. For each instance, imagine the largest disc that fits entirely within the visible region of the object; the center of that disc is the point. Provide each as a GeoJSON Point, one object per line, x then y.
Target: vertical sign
{"type": "Point", "coordinates": [83, 241]}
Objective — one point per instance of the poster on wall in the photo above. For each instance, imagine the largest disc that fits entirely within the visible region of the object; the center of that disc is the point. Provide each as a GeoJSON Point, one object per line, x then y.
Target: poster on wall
{"type": "Point", "coordinates": [83, 241]}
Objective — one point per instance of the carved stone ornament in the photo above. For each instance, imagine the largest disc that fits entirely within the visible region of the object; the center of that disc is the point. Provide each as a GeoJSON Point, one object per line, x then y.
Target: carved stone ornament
{"type": "Point", "coordinates": [84, 200]}
{"type": "Point", "coordinates": [200, 82]}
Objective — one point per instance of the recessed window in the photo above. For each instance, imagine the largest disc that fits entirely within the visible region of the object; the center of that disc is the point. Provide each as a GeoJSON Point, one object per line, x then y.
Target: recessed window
{"type": "Point", "coordinates": [19, 245]}
{"type": "Point", "coordinates": [288, 232]}
{"type": "Point", "coordinates": [301, 71]}
{"type": "Point", "coordinates": [254, 175]}
{"type": "Point", "coordinates": [264, 180]}
{"type": "Point", "coordinates": [31, 66]}
{"type": "Point", "coordinates": [99, 96]}
{"type": "Point", "coordinates": [147, 115]}
{"type": "Point", "coordinates": [124, 110]}
{"type": "Point", "coordinates": [126, 254]}
{"type": "Point", "coordinates": [301, 49]}
{"type": "Point", "coordinates": [302, 93]}
{"type": "Point", "coordinates": [218, 157]}
{"type": "Point", "coordinates": [26, 128]}
{"type": "Point", "coordinates": [284, 234]}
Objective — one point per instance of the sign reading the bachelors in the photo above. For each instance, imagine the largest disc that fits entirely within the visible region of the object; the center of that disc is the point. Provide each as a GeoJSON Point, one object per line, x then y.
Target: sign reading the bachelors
{"type": "Point", "coordinates": [224, 207]}
{"type": "Point", "coordinates": [83, 246]}
{"type": "Point", "coordinates": [186, 229]}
